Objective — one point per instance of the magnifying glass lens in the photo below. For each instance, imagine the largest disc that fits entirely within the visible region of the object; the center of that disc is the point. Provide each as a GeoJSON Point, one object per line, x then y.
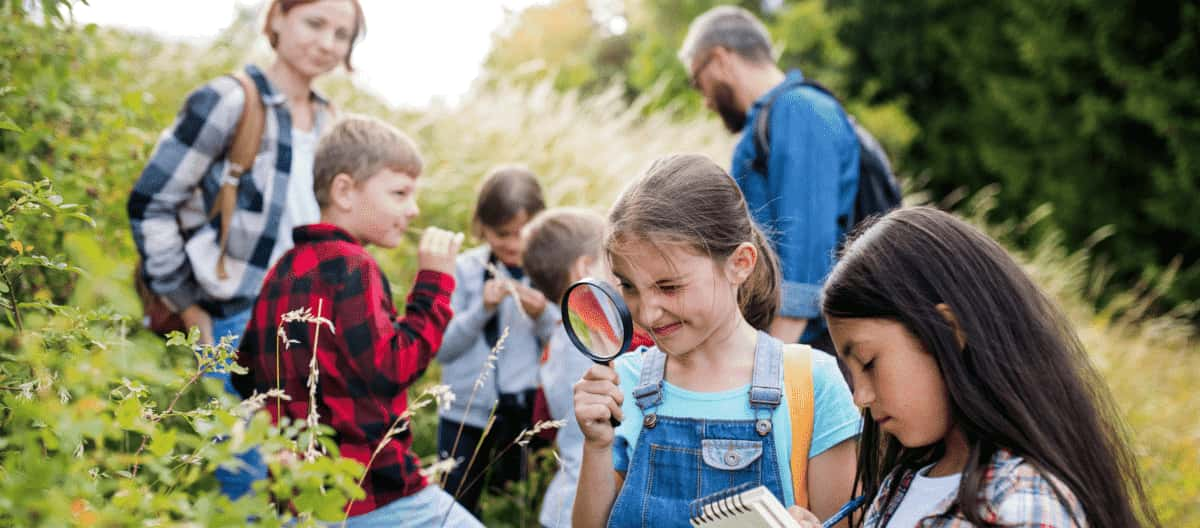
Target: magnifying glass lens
{"type": "Point", "coordinates": [595, 319]}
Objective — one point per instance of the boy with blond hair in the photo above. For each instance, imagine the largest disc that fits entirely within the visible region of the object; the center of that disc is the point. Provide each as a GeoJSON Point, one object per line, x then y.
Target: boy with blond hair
{"type": "Point", "coordinates": [364, 179]}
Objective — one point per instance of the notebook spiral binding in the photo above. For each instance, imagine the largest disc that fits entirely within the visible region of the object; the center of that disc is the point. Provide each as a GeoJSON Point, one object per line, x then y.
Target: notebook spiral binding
{"type": "Point", "coordinates": [725, 503]}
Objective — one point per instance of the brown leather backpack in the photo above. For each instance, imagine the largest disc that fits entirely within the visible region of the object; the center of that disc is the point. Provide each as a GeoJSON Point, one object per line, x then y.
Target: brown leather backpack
{"type": "Point", "coordinates": [247, 138]}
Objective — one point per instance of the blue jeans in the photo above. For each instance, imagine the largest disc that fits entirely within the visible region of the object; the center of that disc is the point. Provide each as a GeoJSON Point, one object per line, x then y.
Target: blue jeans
{"type": "Point", "coordinates": [236, 481]}
{"type": "Point", "coordinates": [428, 507]}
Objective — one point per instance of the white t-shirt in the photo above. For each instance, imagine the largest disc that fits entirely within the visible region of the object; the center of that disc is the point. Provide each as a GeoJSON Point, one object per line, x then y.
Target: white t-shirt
{"type": "Point", "coordinates": [923, 496]}
{"type": "Point", "coordinates": [301, 208]}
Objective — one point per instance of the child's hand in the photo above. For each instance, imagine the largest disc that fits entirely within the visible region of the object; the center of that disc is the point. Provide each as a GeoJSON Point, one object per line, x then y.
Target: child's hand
{"type": "Point", "coordinates": [532, 300]}
{"type": "Point", "coordinates": [494, 291]}
{"type": "Point", "coordinates": [438, 249]}
{"type": "Point", "coordinates": [804, 517]}
{"type": "Point", "coordinates": [598, 398]}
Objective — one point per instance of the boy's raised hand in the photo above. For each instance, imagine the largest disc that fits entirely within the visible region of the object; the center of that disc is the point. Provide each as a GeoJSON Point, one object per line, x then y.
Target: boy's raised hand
{"type": "Point", "coordinates": [597, 398]}
{"type": "Point", "coordinates": [438, 249]}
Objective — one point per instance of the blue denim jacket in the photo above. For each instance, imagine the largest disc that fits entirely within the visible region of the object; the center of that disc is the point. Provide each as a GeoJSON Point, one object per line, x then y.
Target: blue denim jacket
{"type": "Point", "coordinates": [813, 178]}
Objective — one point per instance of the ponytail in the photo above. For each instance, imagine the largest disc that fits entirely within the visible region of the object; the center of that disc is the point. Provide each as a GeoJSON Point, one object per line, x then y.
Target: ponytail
{"type": "Point", "coordinates": [759, 296]}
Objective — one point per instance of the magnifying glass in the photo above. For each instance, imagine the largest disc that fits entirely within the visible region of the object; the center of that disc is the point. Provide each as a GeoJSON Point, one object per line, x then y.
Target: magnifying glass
{"type": "Point", "coordinates": [597, 321]}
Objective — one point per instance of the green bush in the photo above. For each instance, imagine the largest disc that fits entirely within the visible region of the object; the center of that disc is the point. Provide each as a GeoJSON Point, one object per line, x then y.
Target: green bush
{"type": "Point", "coordinates": [85, 393]}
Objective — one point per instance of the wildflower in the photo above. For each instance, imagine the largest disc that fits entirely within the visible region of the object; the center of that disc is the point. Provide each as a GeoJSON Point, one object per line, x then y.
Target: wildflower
{"type": "Point", "coordinates": [439, 468]}
{"type": "Point", "coordinates": [490, 364]}
{"type": "Point", "coordinates": [442, 394]}
{"type": "Point", "coordinates": [256, 401]}
{"type": "Point", "coordinates": [283, 337]}
{"type": "Point", "coordinates": [305, 315]}
{"type": "Point", "coordinates": [26, 390]}
{"type": "Point", "coordinates": [527, 435]}
{"type": "Point", "coordinates": [314, 449]}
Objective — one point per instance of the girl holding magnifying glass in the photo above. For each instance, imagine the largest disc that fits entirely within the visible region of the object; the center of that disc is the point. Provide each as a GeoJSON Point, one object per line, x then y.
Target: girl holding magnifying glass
{"type": "Point", "coordinates": [700, 276]}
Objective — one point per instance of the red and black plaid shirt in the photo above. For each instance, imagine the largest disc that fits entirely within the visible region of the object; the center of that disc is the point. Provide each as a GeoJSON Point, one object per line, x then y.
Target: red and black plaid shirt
{"type": "Point", "coordinates": [365, 367]}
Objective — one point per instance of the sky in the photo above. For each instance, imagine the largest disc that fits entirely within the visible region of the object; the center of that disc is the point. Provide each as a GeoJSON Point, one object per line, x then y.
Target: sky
{"type": "Point", "coordinates": [447, 40]}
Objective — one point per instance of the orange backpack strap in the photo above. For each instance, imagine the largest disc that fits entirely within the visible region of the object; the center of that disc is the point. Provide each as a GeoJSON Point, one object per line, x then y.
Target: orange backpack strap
{"type": "Point", "coordinates": [798, 385]}
{"type": "Point", "coordinates": [247, 139]}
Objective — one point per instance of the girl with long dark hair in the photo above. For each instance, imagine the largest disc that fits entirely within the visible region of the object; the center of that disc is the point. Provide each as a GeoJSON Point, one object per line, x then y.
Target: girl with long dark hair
{"type": "Point", "coordinates": [981, 407]}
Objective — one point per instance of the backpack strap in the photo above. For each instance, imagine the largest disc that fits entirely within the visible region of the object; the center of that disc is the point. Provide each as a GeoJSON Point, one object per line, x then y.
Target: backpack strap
{"type": "Point", "coordinates": [762, 135]}
{"type": "Point", "coordinates": [762, 125]}
{"type": "Point", "coordinates": [247, 139]}
{"type": "Point", "coordinates": [798, 382]}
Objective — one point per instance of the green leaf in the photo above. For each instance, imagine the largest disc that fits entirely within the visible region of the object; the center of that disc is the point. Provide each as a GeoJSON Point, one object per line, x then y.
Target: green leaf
{"type": "Point", "coordinates": [84, 218]}
{"type": "Point", "coordinates": [7, 123]}
{"type": "Point", "coordinates": [324, 506]}
{"type": "Point", "coordinates": [162, 442]}
{"type": "Point", "coordinates": [16, 185]}
{"type": "Point", "coordinates": [128, 412]}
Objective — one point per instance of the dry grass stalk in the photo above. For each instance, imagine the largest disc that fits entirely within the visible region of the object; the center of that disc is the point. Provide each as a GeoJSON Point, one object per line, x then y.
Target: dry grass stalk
{"type": "Point", "coordinates": [488, 366]}
{"type": "Point", "coordinates": [439, 394]}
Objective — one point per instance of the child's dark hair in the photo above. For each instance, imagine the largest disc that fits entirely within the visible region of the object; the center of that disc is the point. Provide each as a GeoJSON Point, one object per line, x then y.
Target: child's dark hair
{"type": "Point", "coordinates": [1022, 382]}
{"type": "Point", "coordinates": [688, 199]}
{"type": "Point", "coordinates": [507, 192]}
{"type": "Point", "coordinates": [554, 240]}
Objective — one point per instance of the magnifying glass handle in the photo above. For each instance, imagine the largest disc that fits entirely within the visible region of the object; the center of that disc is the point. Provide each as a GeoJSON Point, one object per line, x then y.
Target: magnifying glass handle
{"type": "Point", "coordinates": [612, 419]}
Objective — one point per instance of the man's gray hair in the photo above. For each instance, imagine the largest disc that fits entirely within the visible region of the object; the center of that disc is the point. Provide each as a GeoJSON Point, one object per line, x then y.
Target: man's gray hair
{"type": "Point", "coordinates": [730, 27]}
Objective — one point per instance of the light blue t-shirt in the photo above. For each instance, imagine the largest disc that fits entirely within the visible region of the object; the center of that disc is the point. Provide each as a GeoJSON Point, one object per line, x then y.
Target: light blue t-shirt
{"type": "Point", "coordinates": [835, 418]}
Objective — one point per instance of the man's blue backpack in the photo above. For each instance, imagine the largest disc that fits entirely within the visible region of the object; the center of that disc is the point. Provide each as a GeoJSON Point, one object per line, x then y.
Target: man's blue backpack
{"type": "Point", "coordinates": [878, 191]}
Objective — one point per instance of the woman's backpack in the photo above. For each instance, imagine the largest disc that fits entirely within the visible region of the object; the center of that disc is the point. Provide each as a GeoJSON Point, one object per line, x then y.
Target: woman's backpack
{"type": "Point", "coordinates": [247, 138]}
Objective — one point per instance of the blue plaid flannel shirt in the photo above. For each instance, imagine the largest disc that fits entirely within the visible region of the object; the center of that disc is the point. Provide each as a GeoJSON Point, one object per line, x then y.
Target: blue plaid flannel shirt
{"type": "Point", "coordinates": [169, 205]}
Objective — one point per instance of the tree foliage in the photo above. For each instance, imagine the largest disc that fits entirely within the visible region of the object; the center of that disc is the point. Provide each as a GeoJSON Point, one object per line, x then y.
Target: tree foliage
{"type": "Point", "coordinates": [1088, 105]}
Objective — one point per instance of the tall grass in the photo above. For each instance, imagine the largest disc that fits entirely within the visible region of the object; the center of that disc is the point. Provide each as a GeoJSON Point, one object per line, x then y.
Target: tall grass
{"type": "Point", "coordinates": [585, 149]}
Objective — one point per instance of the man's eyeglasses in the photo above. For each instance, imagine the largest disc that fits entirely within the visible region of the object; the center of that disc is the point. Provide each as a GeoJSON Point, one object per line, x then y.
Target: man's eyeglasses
{"type": "Point", "coordinates": [695, 80]}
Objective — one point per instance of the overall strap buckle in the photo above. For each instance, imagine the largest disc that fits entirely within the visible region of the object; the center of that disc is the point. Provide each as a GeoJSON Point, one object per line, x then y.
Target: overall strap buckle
{"type": "Point", "coordinates": [649, 388]}
{"type": "Point", "coordinates": [766, 385]}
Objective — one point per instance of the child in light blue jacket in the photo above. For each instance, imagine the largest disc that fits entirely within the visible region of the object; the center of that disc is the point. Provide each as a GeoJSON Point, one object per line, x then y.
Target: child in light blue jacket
{"type": "Point", "coordinates": [493, 296]}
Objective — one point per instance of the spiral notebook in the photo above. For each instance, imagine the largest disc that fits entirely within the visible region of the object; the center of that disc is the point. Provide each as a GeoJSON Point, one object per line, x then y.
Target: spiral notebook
{"type": "Point", "coordinates": [741, 507]}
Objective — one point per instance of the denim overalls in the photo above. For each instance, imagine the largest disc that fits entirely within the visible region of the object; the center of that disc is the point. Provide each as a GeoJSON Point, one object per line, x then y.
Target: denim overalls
{"type": "Point", "coordinates": [677, 460]}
